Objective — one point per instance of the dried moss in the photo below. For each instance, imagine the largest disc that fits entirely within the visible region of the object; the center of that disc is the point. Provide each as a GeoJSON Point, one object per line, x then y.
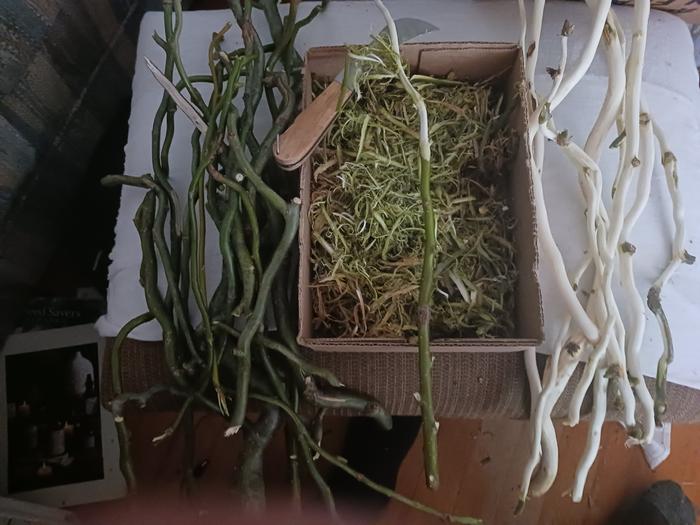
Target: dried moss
{"type": "Point", "coordinates": [366, 215]}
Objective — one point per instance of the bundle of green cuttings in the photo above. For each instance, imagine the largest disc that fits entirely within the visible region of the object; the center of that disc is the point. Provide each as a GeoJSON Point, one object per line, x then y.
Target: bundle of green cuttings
{"type": "Point", "coordinates": [367, 220]}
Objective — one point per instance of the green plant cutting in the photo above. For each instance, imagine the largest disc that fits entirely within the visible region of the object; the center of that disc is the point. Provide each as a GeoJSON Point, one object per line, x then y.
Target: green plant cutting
{"type": "Point", "coordinates": [411, 226]}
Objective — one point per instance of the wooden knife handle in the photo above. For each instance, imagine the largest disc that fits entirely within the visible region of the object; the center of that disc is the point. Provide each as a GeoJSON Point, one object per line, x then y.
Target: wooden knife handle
{"type": "Point", "coordinates": [300, 139]}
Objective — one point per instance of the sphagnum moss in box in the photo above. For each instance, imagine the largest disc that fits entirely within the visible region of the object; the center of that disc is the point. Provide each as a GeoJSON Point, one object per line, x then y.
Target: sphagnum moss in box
{"type": "Point", "coordinates": [361, 227]}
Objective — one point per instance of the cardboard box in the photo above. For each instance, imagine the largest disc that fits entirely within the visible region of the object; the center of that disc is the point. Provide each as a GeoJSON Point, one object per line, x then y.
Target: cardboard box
{"type": "Point", "coordinates": [501, 65]}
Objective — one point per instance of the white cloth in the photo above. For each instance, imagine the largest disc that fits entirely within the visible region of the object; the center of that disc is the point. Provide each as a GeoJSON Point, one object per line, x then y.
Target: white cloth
{"type": "Point", "coordinates": [671, 91]}
{"type": "Point", "coordinates": [659, 449]}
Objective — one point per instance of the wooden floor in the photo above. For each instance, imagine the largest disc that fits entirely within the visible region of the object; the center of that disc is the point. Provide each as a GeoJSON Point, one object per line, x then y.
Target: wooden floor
{"type": "Point", "coordinates": [480, 466]}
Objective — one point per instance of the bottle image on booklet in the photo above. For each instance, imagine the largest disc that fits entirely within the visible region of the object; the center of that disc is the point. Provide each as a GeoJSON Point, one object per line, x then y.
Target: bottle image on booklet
{"type": "Point", "coordinates": [90, 396]}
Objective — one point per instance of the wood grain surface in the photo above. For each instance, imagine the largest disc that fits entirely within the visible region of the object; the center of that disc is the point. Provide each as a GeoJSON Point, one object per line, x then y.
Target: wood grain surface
{"type": "Point", "coordinates": [481, 464]}
{"type": "Point", "coordinates": [307, 130]}
{"type": "Point", "coordinates": [480, 467]}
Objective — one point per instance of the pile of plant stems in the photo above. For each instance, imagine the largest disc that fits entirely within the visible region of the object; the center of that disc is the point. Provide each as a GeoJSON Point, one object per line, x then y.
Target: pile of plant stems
{"type": "Point", "coordinates": [366, 216]}
{"type": "Point", "coordinates": [594, 331]}
{"type": "Point", "coordinates": [239, 361]}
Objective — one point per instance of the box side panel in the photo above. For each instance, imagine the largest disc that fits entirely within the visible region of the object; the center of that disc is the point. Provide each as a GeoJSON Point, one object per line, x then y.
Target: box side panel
{"type": "Point", "coordinates": [528, 297]}
{"type": "Point", "coordinates": [455, 346]}
{"type": "Point", "coordinates": [471, 62]}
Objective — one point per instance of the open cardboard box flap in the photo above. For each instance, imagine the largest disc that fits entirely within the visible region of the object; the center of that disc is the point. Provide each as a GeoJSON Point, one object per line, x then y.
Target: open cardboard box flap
{"type": "Point", "coordinates": [500, 65]}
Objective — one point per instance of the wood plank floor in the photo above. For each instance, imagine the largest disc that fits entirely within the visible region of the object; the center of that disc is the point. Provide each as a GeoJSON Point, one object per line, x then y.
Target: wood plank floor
{"type": "Point", "coordinates": [481, 464]}
{"type": "Point", "coordinates": [480, 467]}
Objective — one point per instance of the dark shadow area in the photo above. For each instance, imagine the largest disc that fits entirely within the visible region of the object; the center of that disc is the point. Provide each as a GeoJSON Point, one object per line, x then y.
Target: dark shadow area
{"type": "Point", "coordinates": [377, 454]}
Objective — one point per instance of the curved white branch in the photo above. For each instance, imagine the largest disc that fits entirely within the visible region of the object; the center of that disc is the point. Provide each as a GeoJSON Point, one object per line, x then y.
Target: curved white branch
{"type": "Point", "coordinates": [584, 62]}
{"type": "Point", "coordinates": [614, 55]}
{"type": "Point", "coordinates": [633, 298]}
{"type": "Point", "coordinates": [538, 415]}
{"type": "Point", "coordinates": [594, 431]}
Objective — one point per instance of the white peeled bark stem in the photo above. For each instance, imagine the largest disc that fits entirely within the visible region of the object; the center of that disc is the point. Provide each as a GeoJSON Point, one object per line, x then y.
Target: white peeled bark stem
{"type": "Point", "coordinates": [607, 346]}
{"type": "Point", "coordinates": [589, 372]}
{"type": "Point", "coordinates": [424, 143]}
{"type": "Point", "coordinates": [605, 309]}
{"type": "Point", "coordinates": [614, 55]}
{"type": "Point", "coordinates": [623, 382]}
{"type": "Point", "coordinates": [632, 105]}
{"type": "Point", "coordinates": [548, 449]}
{"type": "Point", "coordinates": [647, 158]}
{"type": "Point", "coordinates": [604, 261]}
{"type": "Point", "coordinates": [600, 388]}
{"type": "Point", "coordinates": [545, 477]}
{"type": "Point", "coordinates": [536, 146]}
{"type": "Point", "coordinates": [637, 325]}
{"type": "Point", "coordinates": [550, 249]}
{"type": "Point", "coordinates": [539, 446]}
{"type": "Point", "coordinates": [567, 362]}
{"type": "Point", "coordinates": [616, 346]}
{"type": "Point", "coordinates": [586, 59]}
{"type": "Point", "coordinates": [629, 168]}
{"type": "Point", "coordinates": [549, 462]}
{"type": "Point", "coordinates": [630, 163]}
{"type": "Point", "coordinates": [640, 152]}
{"type": "Point", "coordinates": [615, 61]}
{"type": "Point", "coordinates": [578, 276]}
{"type": "Point", "coordinates": [533, 376]}
{"type": "Point", "coordinates": [533, 47]}
{"type": "Point", "coordinates": [603, 306]}
{"type": "Point", "coordinates": [522, 13]}
{"type": "Point", "coordinates": [535, 139]}
{"type": "Point", "coordinates": [611, 110]}
{"type": "Point", "coordinates": [589, 174]}
{"type": "Point", "coordinates": [558, 73]}
{"type": "Point", "coordinates": [530, 354]}
{"type": "Point", "coordinates": [678, 255]}
{"type": "Point", "coordinates": [543, 440]}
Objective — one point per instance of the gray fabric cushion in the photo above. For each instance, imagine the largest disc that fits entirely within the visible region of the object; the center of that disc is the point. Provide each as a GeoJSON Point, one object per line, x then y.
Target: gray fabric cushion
{"type": "Point", "coordinates": [66, 68]}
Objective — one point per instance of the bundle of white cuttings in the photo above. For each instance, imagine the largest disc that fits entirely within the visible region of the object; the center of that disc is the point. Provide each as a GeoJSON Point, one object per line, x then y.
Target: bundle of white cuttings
{"type": "Point", "coordinates": [594, 331]}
